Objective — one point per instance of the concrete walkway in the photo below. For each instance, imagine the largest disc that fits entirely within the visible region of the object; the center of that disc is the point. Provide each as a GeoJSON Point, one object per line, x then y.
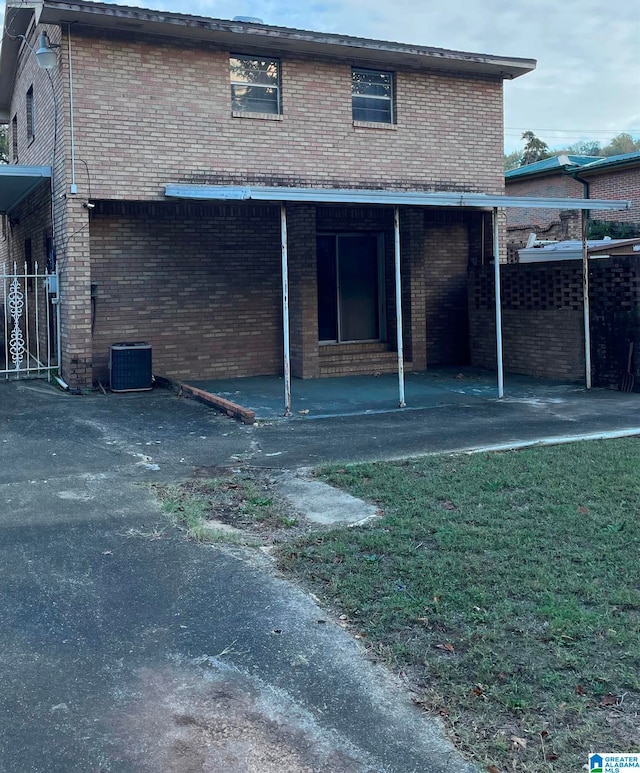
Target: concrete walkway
{"type": "Point", "coordinates": [124, 647]}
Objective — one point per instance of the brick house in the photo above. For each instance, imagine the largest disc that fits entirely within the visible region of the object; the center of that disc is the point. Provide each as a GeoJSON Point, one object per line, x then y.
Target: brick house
{"type": "Point", "coordinates": [614, 177]}
{"type": "Point", "coordinates": [142, 110]}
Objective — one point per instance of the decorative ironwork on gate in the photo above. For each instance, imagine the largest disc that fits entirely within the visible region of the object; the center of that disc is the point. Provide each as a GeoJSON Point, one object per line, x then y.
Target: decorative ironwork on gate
{"type": "Point", "coordinates": [30, 313]}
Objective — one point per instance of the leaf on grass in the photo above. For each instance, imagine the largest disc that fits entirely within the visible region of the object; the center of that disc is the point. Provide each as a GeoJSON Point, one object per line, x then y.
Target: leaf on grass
{"type": "Point", "coordinates": [609, 700]}
{"type": "Point", "coordinates": [477, 690]}
{"type": "Point", "coordinates": [518, 743]}
{"type": "Point", "coordinates": [583, 510]}
{"type": "Point", "coordinates": [544, 733]}
{"type": "Point", "coordinates": [551, 757]}
{"type": "Point", "coordinates": [493, 769]}
{"type": "Point", "coordinates": [580, 690]}
{"type": "Point", "coordinates": [446, 646]}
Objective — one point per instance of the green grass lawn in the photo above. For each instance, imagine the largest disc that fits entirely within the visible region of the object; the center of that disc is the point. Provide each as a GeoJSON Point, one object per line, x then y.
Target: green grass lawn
{"type": "Point", "coordinates": [505, 588]}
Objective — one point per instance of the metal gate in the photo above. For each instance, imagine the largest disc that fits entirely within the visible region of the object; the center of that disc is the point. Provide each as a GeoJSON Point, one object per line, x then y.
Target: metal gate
{"type": "Point", "coordinates": [31, 320]}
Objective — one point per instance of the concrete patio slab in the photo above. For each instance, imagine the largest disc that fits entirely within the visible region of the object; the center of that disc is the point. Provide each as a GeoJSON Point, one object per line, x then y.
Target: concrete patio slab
{"type": "Point", "coordinates": [323, 398]}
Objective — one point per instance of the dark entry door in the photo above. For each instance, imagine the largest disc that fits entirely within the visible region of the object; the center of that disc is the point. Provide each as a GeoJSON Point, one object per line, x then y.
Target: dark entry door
{"type": "Point", "coordinates": [349, 282]}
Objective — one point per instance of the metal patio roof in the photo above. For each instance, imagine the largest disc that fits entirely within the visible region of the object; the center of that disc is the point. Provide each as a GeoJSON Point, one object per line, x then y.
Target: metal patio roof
{"type": "Point", "coordinates": [392, 198]}
{"type": "Point", "coordinates": [17, 182]}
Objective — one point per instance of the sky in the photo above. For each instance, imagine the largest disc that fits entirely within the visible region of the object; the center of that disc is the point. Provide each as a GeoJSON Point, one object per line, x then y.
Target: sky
{"type": "Point", "coordinates": [587, 82]}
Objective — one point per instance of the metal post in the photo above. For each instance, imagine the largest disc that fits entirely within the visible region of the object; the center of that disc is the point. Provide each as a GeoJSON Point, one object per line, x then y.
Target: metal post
{"type": "Point", "coordinates": [396, 227]}
{"type": "Point", "coordinates": [285, 311]}
{"type": "Point", "coordinates": [496, 280]}
{"type": "Point", "coordinates": [585, 302]}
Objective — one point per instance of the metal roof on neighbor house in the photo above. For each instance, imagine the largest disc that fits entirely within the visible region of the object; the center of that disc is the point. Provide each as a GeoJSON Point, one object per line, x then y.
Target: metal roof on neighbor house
{"type": "Point", "coordinates": [552, 164]}
{"type": "Point", "coordinates": [17, 182]}
{"type": "Point", "coordinates": [612, 162]}
{"type": "Point", "coordinates": [390, 198]}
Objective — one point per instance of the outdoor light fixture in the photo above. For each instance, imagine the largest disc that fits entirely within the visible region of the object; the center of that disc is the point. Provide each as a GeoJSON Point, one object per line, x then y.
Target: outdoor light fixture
{"type": "Point", "coordinates": [46, 54]}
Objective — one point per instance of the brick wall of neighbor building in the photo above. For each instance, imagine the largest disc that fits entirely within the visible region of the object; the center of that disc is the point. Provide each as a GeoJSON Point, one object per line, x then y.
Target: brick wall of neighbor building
{"type": "Point", "coordinates": [200, 283]}
{"type": "Point", "coordinates": [164, 113]}
{"type": "Point", "coordinates": [617, 184]}
{"type": "Point", "coordinates": [556, 186]}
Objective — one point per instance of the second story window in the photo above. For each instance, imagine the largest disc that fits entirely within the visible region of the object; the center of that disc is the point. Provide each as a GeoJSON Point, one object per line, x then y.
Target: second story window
{"type": "Point", "coordinates": [31, 133]}
{"type": "Point", "coordinates": [255, 85]}
{"type": "Point", "coordinates": [372, 95]}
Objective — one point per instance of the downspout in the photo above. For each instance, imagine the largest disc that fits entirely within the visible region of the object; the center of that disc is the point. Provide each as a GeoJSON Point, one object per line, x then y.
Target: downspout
{"type": "Point", "coordinates": [586, 311]}
{"type": "Point", "coordinates": [585, 302]}
{"type": "Point", "coordinates": [586, 190]}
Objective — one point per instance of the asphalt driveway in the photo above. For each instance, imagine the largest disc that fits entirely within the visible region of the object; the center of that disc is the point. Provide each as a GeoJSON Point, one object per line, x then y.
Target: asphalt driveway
{"type": "Point", "coordinates": [124, 647]}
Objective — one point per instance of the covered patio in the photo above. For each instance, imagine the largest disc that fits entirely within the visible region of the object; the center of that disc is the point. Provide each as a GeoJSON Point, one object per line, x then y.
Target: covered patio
{"type": "Point", "coordinates": [345, 395]}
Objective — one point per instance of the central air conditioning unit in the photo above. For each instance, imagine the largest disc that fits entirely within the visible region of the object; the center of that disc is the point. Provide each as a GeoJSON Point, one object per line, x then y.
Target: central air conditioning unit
{"type": "Point", "coordinates": [130, 367]}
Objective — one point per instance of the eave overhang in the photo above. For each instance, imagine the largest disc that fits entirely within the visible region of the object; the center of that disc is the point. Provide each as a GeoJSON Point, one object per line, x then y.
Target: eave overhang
{"type": "Point", "coordinates": [251, 36]}
{"type": "Point", "coordinates": [17, 182]}
{"type": "Point", "coordinates": [389, 198]}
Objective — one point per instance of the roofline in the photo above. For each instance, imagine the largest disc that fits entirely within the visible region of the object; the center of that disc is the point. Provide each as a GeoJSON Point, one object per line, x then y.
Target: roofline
{"type": "Point", "coordinates": [603, 166]}
{"type": "Point", "coordinates": [393, 198]}
{"type": "Point", "coordinates": [565, 167]}
{"type": "Point", "coordinates": [239, 35]}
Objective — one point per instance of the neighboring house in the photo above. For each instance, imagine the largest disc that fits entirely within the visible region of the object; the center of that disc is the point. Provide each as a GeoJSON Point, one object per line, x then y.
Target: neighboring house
{"type": "Point", "coordinates": [162, 131]}
{"type": "Point", "coordinates": [615, 177]}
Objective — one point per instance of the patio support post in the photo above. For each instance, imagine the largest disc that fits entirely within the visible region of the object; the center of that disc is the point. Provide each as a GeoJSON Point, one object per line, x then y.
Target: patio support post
{"type": "Point", "coordinates": [285, 311]}
{"type": "Point", "coordinates": [585, 302]}
{"type": "Point", "coordinates": [496, 279]}
{"type": "Point", "coordinates": [396, 231]}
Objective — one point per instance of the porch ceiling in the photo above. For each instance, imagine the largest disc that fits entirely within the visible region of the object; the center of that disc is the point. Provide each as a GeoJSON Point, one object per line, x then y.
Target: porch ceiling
{"type": "Point", "coordinates": [17, 182]}
{"type": "Point", "coordinates": [393, 198]}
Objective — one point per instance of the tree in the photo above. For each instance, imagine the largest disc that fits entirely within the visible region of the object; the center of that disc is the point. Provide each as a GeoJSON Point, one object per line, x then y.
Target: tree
{"type": "Point", "coordinates": [535, 149]}
{"type": "Point", "coordinates": [623, 143]}
{"type": "Point", "coordinates": [512, 160]}
{"type": "Point", "coordinates": [584, 148]}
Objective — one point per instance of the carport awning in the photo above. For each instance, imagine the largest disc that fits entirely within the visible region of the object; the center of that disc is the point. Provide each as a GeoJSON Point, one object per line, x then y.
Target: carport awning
{"type": "Point", "coordinates": [17, 182]}
{"type": "Point", "coordinates": [393, 198]}
{"type": "Point", "coordinates": [397, 199]}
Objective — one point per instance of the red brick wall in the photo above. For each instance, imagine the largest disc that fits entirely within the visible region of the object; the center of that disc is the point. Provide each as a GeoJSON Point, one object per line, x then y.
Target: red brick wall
{"type": "Point", "coordinates": [557, 186]}
{"type": "Point", "coordinates": [617, 184]}
{"type": "Point", "coordinates": [200, 283]}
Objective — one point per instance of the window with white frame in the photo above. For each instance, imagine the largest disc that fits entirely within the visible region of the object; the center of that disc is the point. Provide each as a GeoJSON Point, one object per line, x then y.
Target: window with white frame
{"type": "Point", "coordinates": [372, 95]}
{"type": "Point", "coordinates": [255, 85]}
